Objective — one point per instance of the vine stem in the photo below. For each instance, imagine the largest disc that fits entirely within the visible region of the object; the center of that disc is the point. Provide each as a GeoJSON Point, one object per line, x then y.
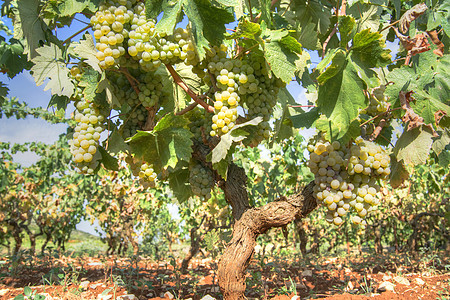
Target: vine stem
{"type": "Point", "coordinates": [389, 26]}
{"type": "Point", "coordinates": [385, 112]}
{"type": "Point", "coordinates": [296, 106]}
{"type": "Point", "coordinates": [133, 81]}
{"type": "Point", "coordinates": [75, 34]}
{"type": "Point", "coordinates": [342, 13]}
{"type": "Point", "coordinates": [250, 9]}
{"type": "Point", "coordinates": [187, 108]}
{"type": "Point", "coordinates": [186, 88]}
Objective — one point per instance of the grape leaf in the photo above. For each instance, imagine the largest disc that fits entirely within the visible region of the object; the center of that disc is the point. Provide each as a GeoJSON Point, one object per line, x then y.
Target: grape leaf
{"type": "Point", "coordinates": [116, 143]}
{"type": "Point", "coordinates": [308, 37]}
{"type": "Point", "coordinates": [370, 49]}
{"type": "Point", "coordinates": [340, 99]}
{"type": "Point", "coordinates": [170, 133]}
{"type": "Point", "coordinates": [247, 29]}
{"type": "Point", "coordinates": [28, 25]}
{"type": "Point", "coordinates": [305, 120]}
{"type": "Point", "coordinates": [85, 49]}
{"type": "Point", "coordinates": [67, 8]}
{"type": "Point", "coordinates": [191, 79]}
{"type": "Point", "coordinates": [398, 173]}
{"type": "Point", "coordinates": [307, 12]}
{"type": "Point", "coordinates": [413, 146]}
{"type": "Point", "coordinates": [105, 85]}
{"type": "Point", "coordinates": [49, 63]}
{"type": "Point", "coordinates": [179, 184]}
{"type": "Point", "coordinates": [281, 114]}
{"type": "Point", "coordinates": [441, 142]}
{"type": "Point", "coordinates": [108, 161]}
{"type": "Point", "coordinates": [346, 26]}
{"type": "Point", "coordinates": [12, 58]}
{"type": "Point", "coordinates": [89, 80]}
{"type": "Point", "coordinates": [208, 23]}
{"type": "Point", "coordinates": [281, 61]}
{"type": "Point", "coordinates": [226, 140]}
{"type": "Point", "coordinates": [172, 13]}
{"type": "Point", "coordinates": [338, 62]}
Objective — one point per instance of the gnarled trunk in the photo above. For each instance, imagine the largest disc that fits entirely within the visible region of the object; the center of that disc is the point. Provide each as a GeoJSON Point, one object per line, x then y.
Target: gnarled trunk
{"type": "Point", "coordinates": [251, 223]}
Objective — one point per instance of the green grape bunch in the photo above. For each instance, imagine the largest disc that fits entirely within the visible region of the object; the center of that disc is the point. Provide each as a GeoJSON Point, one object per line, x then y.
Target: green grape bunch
{"type": "Point", "coordinates": [87, 132]}
{"type": "Point", "coordinates": [244, 83]}
{"type": "Point", "coordinates": [201, 180]}
{"type": "Point", "coordinates": [346, 177]}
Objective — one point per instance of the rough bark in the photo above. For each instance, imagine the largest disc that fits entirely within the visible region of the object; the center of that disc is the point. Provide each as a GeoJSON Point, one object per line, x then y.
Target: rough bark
{"type": "Point", "coordinates": [253, 222]}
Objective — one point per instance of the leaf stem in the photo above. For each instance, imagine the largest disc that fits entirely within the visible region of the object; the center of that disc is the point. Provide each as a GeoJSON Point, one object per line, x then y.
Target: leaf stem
{"type": "Point", "coordinates": [250, 9]}
{"type": "Point", "coordinates": [75, 34]}
{"type": "Point", "coordinates": [187, 108]}
{"type": "Point", "coordinates": [186, 88]}
{"type": "Point", "coordinates": [385, 112]}
{"type": "Point", "coordinates": [389, 26]}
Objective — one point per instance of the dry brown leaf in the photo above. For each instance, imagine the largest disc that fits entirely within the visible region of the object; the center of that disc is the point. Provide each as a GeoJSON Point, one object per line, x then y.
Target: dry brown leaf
{"type": "Point", "coordinates": [410, 117]}
{"type": "Point", "coordinates": [439, 115]}
{"type": "Point", "coordinates": [410, 15]}
{"type": "Point", "coordinates": [435, 39]}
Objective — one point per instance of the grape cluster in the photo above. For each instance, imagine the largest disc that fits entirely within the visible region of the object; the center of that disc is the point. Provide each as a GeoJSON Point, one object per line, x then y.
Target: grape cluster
{"type": "Point", "coordinates": [152, 48]}
{"type": "Point", "coordinates": [151, 93]}
{"type": "Point", "coordinates": [86, 137]}
{"type": "Point", "coordinates": [145, 172]}
{"type": "Point", "coordinates": [151, 89]}
{"type": "Point", "coordinates": [122, 27]}
{"type": "Point", "coordinates": [197, 124]}
{"type": "Point", "coordinates": [201, 180]}
{"type": "Point", "coordinates": [111, 26]}
{"type": "Point", "coordinates": [377, 102]}
{"type": "Point", "coordinates": [346, 177]}
{"type": "Point", "coordinates": [76, 74]}
{"type": "Point", "coordinates": [239, 81]}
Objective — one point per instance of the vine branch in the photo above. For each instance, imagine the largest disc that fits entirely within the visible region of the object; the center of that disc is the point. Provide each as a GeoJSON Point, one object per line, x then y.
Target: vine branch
{"type": "Point", "coordinates": [75, 34]}
{"type": "Point", "coordinates": [186, 88]}
{"type": "Point", "coordinates": [187, 108]}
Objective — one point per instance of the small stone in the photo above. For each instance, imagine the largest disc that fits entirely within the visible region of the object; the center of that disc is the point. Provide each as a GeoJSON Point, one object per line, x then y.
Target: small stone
{"type": "Point", "coordinates": [386, 286]}
{"type": "Point", "coordinates": [401, 280]}
{"type": "Point", "coordinates": [127, 297]}
{"type": "Point", "coordinates": [349, 286]}
{"type": "Point", "coordinates": [386, 277]}
{"type": "Point", "coordinates": [215, 289]}
{"type": "Point", "coordinates": [347, 270]}
{"type": "Point", "coordinates": [3, 292]}
{"type": "Point", "coordinates": [296, 298]}
{"type": "Point", "coordinates": [169, 295]}
{"type": "Point", "coordinates": [374, 294]}
{"type": "Point", "coordinates": [104, 297]}
{"type": "Point", "coordinates": [208, 297]}
{"type": "Point", "coordinates": [95, 285]}
{"type": "Point", "coordinates": [84, 284]}
{"type": "Point", "coordinates": [419, 281]}
{"type": "Point", "coordinates": [307, 273]}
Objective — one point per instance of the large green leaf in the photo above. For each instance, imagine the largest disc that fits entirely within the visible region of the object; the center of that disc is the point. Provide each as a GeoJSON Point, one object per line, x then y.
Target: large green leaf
{"type": "Point", "coordinates": [167, 144]}
{"type": "Point", "coordinates": [370, 50]}
{"type": "Point", "coordinates": [28, 25]}
{"type": "Point", "coordinates": [338, 62]}
{"type": "Point", "coordinates": [208, 23]}
{"type": "Point", "coordinates": [340, 99]}
{"type": "Point", "coordinates": [66, 8]}
{"type": "Point", "coordinates": [305, 120]}
{"type": "Point", "coordinates": [85, 49]}
{"type": "Point", "coordinates": [179, 183]}
{"type": "Point", "coordinates": [50, 64]}
{"type": "Point", "coordinates": [233, 136]}
{"type": "Point", "coordinates": [172, 13]}
{"type": "Point", "coordinates": [413, 146]}
{"type": "Point", "coordinates": [12, 57]}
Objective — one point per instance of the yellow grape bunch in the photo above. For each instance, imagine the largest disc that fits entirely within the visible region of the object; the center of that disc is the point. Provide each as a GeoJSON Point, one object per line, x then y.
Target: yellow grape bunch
{"type": "Point", "coordinates": [121, 27]}
{"type": "Point", "coordinates": [86, 136]}
{"type": "Point", "coordinates": [346, 177]}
